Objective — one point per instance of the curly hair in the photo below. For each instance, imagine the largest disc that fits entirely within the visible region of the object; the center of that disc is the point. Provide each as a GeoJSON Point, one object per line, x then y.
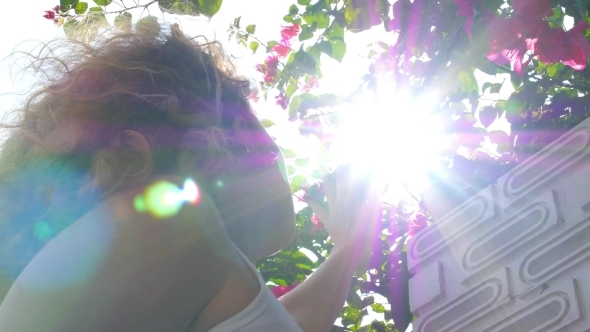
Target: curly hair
{"type": "Point", "coordinates": [108, 116]}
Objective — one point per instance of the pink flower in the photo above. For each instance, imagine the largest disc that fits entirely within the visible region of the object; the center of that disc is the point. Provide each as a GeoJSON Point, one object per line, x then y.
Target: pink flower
{"type": "Point", "coordinates": [270, 70]}
{"type": "Point", "coordinates": [288, 32]}
{"type": "Point", "coordinates": [279, 291]}
{"type": "Point", "coordinates": [282, 101]}
{"type": "Point", "coordinates": [317, 224]}
{"type": "Point", "coordinates": [466, 9]}
{"type": "Point", "coordinates": [50, 15]}
{"type": "Point", "coordinates": [57, 8]}
{"type": "Point", "coordinates": [532, 9]}
{"type": "Point", "coordinates": [419, 223]}
{"type": "Point", "coordinates": [313, 83]}
{"type": "Point", "coordinates": [282, 49]}
{"type": "Point", "coordinates": [570, 47]}
{"type": "Point", "coordinates": [507, 44]}
{"type": "Point", "coordinates": [254, 96]}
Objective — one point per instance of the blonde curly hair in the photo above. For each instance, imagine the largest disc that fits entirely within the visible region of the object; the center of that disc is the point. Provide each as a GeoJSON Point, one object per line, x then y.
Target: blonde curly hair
{"type": "Point", "coordinates": [108, 116]}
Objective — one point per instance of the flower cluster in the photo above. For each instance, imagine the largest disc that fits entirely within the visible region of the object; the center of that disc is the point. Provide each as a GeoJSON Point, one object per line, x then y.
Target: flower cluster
{"type": "Point", "coordinates": [282, 49]}
{"type": "Point", "coordinates": [50, 14]}
{"type": "Point", "coordinates": [279, 291]}
{"type": "Point", "coordinates": [317, 224]}
{"type": "Point", "coordinates": [269, 68]}
{"type": "Point", "coordinates": [418, 223]}
{"type": "Point", "coordinates": [527, 32]}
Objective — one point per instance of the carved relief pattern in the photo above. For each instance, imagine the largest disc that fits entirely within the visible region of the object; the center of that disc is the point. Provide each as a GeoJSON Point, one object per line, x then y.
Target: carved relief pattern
{"type": "Point", "coordinates": [515, 257]}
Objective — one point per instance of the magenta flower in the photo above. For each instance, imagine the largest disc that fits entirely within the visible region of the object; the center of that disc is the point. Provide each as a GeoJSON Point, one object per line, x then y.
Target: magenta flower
{"type": "Point", "coordinates": [288, 32]}
{"type": "Point", "coordinates": [50, 15]}
{"type": "Point", "coordinates": [466, 9]}
{"type": "Point", "coordinates": [282, 101]}
{"type": "Point", "coordinates": [507, 43]}
{"type": "Point", "coordinates": [570, 47]}
{"type": "Point", "coordinates": [279, 291]}
{"type": "Point", "coordinates": [269, 68]}
{"type": "Point", "coordinates": [532, 9]}
{"type": "Point", "coordinates": [282, 49]}
{"type": "Point", "coordinates": [317, 224]}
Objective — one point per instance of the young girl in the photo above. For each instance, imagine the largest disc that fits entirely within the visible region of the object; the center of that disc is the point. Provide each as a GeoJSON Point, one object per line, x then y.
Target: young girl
{"type": "Point", "coordinates": [90, 239]}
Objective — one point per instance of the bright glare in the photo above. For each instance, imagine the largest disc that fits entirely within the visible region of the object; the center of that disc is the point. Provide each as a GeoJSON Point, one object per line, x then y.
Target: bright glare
{"type": "Point", "coordinates": [397, 138]}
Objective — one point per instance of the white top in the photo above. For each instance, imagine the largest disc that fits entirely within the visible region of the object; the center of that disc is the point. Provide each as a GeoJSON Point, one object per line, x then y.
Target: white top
{"type": "Point", "coordinates": [265, 313]}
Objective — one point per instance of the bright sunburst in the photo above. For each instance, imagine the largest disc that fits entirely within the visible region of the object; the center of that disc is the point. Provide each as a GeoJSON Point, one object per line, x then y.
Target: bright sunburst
{"type": "Point", "coordinates": [392, 135]}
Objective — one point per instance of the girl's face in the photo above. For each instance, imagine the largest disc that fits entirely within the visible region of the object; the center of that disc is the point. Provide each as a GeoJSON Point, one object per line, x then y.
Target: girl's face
{"type": "Point", "coordinates": [255, 201]}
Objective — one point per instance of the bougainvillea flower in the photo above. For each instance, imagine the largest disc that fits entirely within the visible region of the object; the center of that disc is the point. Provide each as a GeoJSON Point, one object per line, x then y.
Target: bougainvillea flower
{"type": "Point", "coordinates": [50, 15]}
{"type": "Point", "coordinates": [507, 44]}
{"type": "Point", "coordinates": [317, 224]}
{"type": "Point", "coordinates": [57, 8]}
{"type": "Point", "coordinates": [531, 9]}
{"type": "Point", "coordinates": [279, 291]}
{"type": "Point", "coordinates": [570, 47]}
{"type": "Point", "coordinates": [417, 224]}
{"type": "Point", "coordinates": [288, 32]}
{"type": "Point", "coordinates": [466, 9]}
{"type": "Point", "coordinates": [271, 64]}
{"type": "Point", "coordinates": [282, 49]}
{"type": "Point", "coordinates": [282, 101]}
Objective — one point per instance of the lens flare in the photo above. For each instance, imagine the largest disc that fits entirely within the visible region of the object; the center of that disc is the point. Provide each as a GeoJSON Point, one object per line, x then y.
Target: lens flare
{"type": "Point", "coordinates": [43, 231]}
{"type": "Point", "coordinates": [164, 199]}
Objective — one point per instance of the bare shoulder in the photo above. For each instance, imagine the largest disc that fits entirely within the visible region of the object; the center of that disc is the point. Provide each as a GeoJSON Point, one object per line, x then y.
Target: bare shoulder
{"type": "Point", "coordinates": [120, 261]}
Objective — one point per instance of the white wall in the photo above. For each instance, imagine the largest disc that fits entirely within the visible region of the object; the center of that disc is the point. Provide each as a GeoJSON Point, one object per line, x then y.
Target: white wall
{"type": "Point", "coordinates": [515, 256]}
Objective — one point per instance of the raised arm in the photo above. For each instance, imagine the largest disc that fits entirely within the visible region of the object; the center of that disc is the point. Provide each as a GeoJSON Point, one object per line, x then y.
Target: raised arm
{"type": "Point", "coordinates": [355, 213]}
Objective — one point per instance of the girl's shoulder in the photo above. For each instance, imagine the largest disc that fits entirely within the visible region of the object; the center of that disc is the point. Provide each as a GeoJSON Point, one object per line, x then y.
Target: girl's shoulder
{"type": "Point", "coordinates": [121, 261]}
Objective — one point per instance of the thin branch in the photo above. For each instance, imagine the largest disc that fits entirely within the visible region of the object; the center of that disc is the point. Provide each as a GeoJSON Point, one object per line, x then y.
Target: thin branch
{"type": "Point", "coordinates": [137, 6]}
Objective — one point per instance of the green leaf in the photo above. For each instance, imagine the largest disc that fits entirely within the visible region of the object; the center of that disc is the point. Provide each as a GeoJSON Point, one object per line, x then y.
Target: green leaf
{"type": "Point", "coordinates": [554, 70]}
{"type": "Point", "coordinates": [467, 80]}
{"type": "Point", "coordinates": [242, 39]}
{"type": "Point", "coordinates": [487, 115]}
{"type": "Point", "coordinates": [322, 19]}
{"type": "Point", "coordinates": [303, 2]}
{"type": "Point", "coordinates": [71, 29]}
{"type": "Point", "coordinates": [301, 162]}
{"type": "Point", "coordinates": [288, 153]}
{"type": "Point", "coordinates": [288, 18]}
{"type": "Point", "coordinates": [305, 35]}
{"type": "Point", "coordinates": [338, 49]}
{"type": "Point", "coordinates": [297, 181]}
{"type": "Point", "coordinates": [95, 18]}
{"type": "Point", "coordinates": [148, 23]}
{"type": "Point", "coordinates": [378, 308]}
{"type": "Point", "coordinates": [123, 21]}
{"type": "Point", "coordinates": [251, 29]}
{"type": "Point", "coordinates": [67, 4]}
{"type": "Point", "coordinates": [294, 105]}
{"type": "Point", "coordinates": [494, 87]}
{"type": "Point", "coordinates": [293, 10]}
{"type": "Point", "coordinates": [291, 88]}
{"type": "Point", "coordinates": [305, 62]}
{"type": "Point", "coordinates": [336, 31]}
{"type": "Point", "coordinates": [254, 46]}
{"type": "Point", "coordinates": [81, 8]}
{"type": "Point", "coordinates": [516, 80]}
{"type": "Point", "coordinates": [237, 21]}
{"type": "Point", "coordinates": [103, 2]}
{"type": "Point", "coordinates": [209, 7]}
{"type": "Point", "coordinates": [266, 123]}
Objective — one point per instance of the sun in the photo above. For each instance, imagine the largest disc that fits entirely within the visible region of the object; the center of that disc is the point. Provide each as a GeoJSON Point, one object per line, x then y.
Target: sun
{"type": "Point", "coordinates": [392, 135]}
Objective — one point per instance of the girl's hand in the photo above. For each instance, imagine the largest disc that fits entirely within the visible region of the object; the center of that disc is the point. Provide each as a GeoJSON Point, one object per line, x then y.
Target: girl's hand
{"type": "Point", "coordinates": [354, 212]}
